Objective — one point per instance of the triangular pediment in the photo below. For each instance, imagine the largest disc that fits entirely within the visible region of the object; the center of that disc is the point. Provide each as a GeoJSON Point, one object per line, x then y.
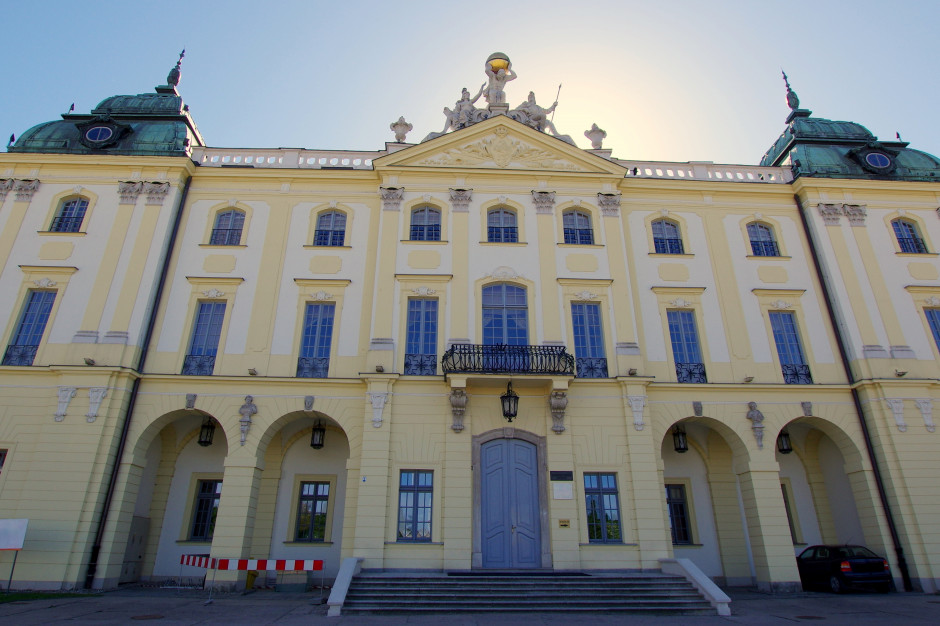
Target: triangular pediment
{"type": "Point", "coordinates": [500, 144]}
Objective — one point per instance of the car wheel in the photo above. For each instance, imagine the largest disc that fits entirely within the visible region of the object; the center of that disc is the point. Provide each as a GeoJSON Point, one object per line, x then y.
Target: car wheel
{"type": "Point", "coordinates": [836, 585]}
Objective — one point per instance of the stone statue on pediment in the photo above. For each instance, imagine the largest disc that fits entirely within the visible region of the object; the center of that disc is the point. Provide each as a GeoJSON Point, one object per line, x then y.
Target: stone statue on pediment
{"type": "Point", "coordinates": [495, 93]}
{"type": "Point", "coordinates": [535, 116]}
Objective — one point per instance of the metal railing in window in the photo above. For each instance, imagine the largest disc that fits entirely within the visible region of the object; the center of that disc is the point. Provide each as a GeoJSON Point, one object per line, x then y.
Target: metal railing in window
{"type": "Point", "coordinates": [225, 236]}
{"type": "Point", "coordinates": [764, 248]}
{"type": "Point", "coordinates": [668, 245]}
{"type": "Point", "coordinates": [912, 245]}
{"type": "Point", "coordinates": [502, 234]}
{"type": "Point", "coordinates": [313, 367]}
{"type": "Point", "coordinates": [796, 374]}
{"type": "Point", "coordinates": [66, 223]}
{"type": "Point", "coordinates": [421, 364]}
{"type": "Point", "coordinates": [19, 355]}
{"type": "Point", "coordinates": [591, 367]}
{"type": "Point", "coordinates": [691, 373]}
{"type": "Point", "coordinates": [506, 359]}
{"type": "Point", "coordinates": [198, 365]}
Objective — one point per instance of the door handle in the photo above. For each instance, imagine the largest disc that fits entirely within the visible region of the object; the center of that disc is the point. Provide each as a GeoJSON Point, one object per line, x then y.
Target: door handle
{"type": "Point", "coordinates": [513, 528]}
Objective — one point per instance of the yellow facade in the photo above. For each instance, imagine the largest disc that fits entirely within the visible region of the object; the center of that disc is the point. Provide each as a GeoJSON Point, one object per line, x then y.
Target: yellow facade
{"type": "Point", "coordinates": [86, 402]}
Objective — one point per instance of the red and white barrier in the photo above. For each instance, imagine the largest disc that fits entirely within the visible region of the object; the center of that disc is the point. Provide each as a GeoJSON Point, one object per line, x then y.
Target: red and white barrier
{"type": "Point", "coordinates": [266, 565]}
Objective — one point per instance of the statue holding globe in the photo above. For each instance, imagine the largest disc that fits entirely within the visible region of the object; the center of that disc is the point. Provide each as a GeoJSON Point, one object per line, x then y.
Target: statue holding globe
{"type": "Point", "coordinates": [499, 71]}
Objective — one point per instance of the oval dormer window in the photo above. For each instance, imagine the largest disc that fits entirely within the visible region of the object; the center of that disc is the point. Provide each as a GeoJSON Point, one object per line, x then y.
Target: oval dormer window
{"type": "Point", "coordinates": [878, 159]}
{"type": "Point", "coordinates": [99, 134]}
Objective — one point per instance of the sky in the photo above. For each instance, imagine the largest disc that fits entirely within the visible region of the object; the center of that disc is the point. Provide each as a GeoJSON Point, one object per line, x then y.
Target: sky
{"type": "Point", "coordinates": [668, 81]}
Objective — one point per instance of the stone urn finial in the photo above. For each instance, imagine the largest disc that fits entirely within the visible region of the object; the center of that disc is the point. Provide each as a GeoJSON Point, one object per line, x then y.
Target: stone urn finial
{"type": "Point", "coordinates": [401, 128]}
{"type": "Point", "coordinates": [596, 135]}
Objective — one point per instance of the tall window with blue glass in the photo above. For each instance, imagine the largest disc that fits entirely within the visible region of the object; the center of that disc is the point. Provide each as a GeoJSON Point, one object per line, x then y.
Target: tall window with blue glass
{"type": "Point", "coordinates": [200, 360]}
{"type": "Point", "coordinates": [590, 358]}
{"type": "Point", "coordinates": [685, 349]}
{"type": "Point", "coordinates": [421, 343]}
{"type": "Point", "coordinates": [314, 360]}
{"type": "Point", "coordinates": [22, 349]}
{"type": "Point", "coordinates": [789, 348]}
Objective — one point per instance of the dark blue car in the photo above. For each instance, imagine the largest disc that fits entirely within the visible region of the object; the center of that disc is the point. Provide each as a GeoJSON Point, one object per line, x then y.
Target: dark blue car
{"type": "Point", "coordinates": [843, 567]}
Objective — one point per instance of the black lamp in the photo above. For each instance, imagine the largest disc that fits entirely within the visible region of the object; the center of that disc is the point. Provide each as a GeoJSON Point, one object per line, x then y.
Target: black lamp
{"type": "Point", "coordinates": [679, 440]}
{"type": "Point", "coordinates": [510, 402]}
{"type": "Point", "coordinates": [317, 436]}
{"type": "Point", "coordinates": [206, 431]}
{"type": "Point", "coordinates": [783, 443]}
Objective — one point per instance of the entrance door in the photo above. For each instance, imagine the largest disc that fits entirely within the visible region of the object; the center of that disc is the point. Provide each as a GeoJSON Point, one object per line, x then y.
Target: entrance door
{"type": "Point", "coordinates": [511, 528]}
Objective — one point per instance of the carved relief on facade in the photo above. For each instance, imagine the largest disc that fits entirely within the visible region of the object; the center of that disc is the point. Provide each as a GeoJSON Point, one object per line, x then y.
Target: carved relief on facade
{"type": "Point", "coordinates": [856, 213]}
{"type": "Point", "coordinates": [458, 407]}
{"type": "Point", "coordinates": [501, 151]}
{"type": "Point", "coordinates": [129, 190]}
{"type": "Point", "coordinates": [830, 213]}
{"type": "Point", "coordinates": [156, 192]}
{"type": "Point", "coordinates": [637, 405]}
{"type": "Point", "coordinates": [544, 201]}
{"type": "Point", "coordinates": [391, 197]}
{"type": "Point", "coordinates": [558, 402]}
{"type": "Point", "coordinates": [926, 411]}
{"type": "Point", "coordinates": [897, 410]}
{"type": "Point", "coordinates": [378, 405]}
{"type": "Point", "coordinates": [95, 396]}
{"type": "Point", "coordinates": [460, 199]}
{"type": "Point", "coordinates": [25, 189]}
{"type": "Point", "coordinates": [609, 204]}
{"type": "Point", "coordinates": [65, 395]}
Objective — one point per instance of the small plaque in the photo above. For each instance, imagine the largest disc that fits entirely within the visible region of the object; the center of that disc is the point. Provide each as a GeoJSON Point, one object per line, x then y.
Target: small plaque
{"type": "Point", "coordinates": [569, 476]}
{"type": "Point", "coordinates": [564, 523]}
{"type": "Point", "coordinates": [563, 491]}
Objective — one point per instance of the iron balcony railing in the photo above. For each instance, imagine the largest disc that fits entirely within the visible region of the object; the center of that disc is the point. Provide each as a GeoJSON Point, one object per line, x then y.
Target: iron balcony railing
{"type": "Point", "coordinates": [764, 248]}
{"type": "Point", "coordinates": [591, 367]}
{"type": "Point", "coordinates": [912, 245]}
{"type": "Point", "coordinates": [19, 355]}
{"type": "Point", "coordinates": [503, 359]}
{"type": "Point", "coordinates": [691, 373]}
{"type": "Point", "coordinates": [420, 364]}
{"type": "Point", "coordinates": [198, 365]}
{"type": "Point", "coordinates": [313, 367]}
{"type": "Point", "coordinates": [668, 245]}
{"type": "Point", "coordinates": [796, 374]}
{"type": "Point", "coordinates": [225, 237]}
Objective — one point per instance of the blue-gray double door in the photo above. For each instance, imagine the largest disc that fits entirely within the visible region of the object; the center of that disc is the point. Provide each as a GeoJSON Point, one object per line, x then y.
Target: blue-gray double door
{"type": "Point", "coordinates": [511, 526]}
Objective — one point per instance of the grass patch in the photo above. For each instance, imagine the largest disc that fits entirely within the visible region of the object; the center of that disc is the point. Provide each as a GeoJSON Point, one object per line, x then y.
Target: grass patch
{"type": "Point", "coordinates": [26, 596]}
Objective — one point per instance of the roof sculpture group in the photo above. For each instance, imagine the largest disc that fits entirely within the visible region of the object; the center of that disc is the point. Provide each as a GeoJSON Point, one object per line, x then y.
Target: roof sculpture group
{"type": "Point", "coordinates": [499, 71]}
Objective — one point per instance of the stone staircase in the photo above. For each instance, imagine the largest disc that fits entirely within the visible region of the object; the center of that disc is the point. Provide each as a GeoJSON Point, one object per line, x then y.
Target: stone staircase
{"type": "Point", "coordinates": [465, 592]}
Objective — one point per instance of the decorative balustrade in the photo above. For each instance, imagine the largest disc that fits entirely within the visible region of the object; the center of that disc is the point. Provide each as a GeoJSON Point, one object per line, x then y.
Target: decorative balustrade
{"type": "Point", "coordinates": [591, 367]}
{"type": "Point", "coordinates": [796, 374]}
{"type": "Point", "coordinates": [468, 358]}
{"type": "Point", "coordinates": [313, 367]}
{"type": "Point", "coordinates": [691, 373]}
{"type": "Point", "coordinates": [285, 158]}
{"type": "Point", "coordinates": [421, 364]}
{"type": "Point", "coordinates": [704, 170]}
{"type": "Point", "coordinates": [19, 355]}
{"type": "Point", "coordinates": [198, 365]}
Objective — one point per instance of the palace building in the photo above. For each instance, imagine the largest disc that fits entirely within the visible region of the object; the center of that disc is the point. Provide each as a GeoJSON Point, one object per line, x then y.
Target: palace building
{"type": "Point", "coordinates": [488, 350]}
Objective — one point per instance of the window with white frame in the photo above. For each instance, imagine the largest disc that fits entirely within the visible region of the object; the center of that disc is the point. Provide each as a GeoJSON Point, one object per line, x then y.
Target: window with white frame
{"type": "Point", "coordinates": [69, 217]}
{"type": "Point", "coordinates": [421, 340]}
{"type": "Point", "coordinates": [204, 344]}
{"type": "Point", "coordinates": [602, 502]}
{"type": "Point", "coordinates": [29, 331]}
{"type": "Point", "coordinates": [227, 230]}
{"type": "Point", "coordinates": [415, 492]}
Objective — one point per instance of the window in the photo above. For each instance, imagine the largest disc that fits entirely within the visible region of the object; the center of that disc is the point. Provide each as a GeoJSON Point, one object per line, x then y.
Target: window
{"type": "Point", "coordinates": [678, 514]}
{"type": "Point", "coordinates": [789, 349]}
{"type": "Point", "coordinates": [312, 508]}
{"type": "Point", "coordinates": [505, 315]}
{"type": "Point", "coordinates": [501, 226]}
{"type": "Point", "coordinates": [933, 319]}
{"type": "Point", "coordinates": [666, 239]}
{"type": "Point", "coordinates": [577, 226]}
{"type": "Point", "coordinates": [331, 229]}
{"type": "Point", "coordinates": [909, 238]}
{"type": "Point", "coordinates": [588, 340]}
{"type": "Point", "coordinates": [685, 348]}
{"type": "Point", "coordinates": [3, 458]}
{"type": "Point", "coordinates": [314, 360]}
{"type": "Point", "coordinates": [414, 505]}
{"type": "Point", "coordinates": [69, 217]}
{"type": "Point", "coordinates": [228, 228]}
{"type": "Point", "coordinates": [205, 509]}
{"type": "Point", "coordinates": [421, 344]}
{"type": "Point", "coordinates": [200, 361]}
{"type": "Point", "coordinates": [425, 224]}
{"type": "Point", "coordinates": [603, 508]}
{"type": "Point", "coordinates": [762, 240]}
{"type": "Point", "coordinates": [22, 349]}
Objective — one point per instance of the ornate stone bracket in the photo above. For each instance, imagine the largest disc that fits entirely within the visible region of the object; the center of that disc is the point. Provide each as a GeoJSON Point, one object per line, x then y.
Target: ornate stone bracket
{"type": "Point", "coordinates": [128, 190]}
{"type": "Point", "coordinates": [378, 405]}
{"type": "Point", "coordinates": [637, 404]}
{"type": "Point", "coordinates": [95, 397]}
{"type": "Point", "coordinates": [807, 408]}
{"type": "Point", "coordinates": [65, 396]}
{"type": "Point", "coordinates": [25, 189]}
{"type": "Point", "coordinates": [609, 204]}
{"type": "Point", "coordinates": [856, 213]}
{"type": "Point", "coordinates": [544, 201]}
{"type": "Point", "coordinates": [458, 407]}
{"type": "Point", "coordinates": [460, 199]}
{"type": "Point", "coordinates": [697, 408]}
{"type": "Point", "coordinates": [308, 403]}
{"type": "Point", "coordinates": [897, 409]}
{"type": "Point", "coordinates": [391, 197]}
{"type": "Point", "coordinates": [247, 410]}
{"type": "Point", "coordinates": [757, 423]}
{"type": "Point", "coordinates": [558, 402]}
{"type": "Point", "coordinates": [926, 411]}
{"type": "Point", "coordinates": [831, 213]}
{"type": "Point", "coordinates": [191, 401]}
{"type": "Point", "coordinates": [156, 192]}
{"type": "Point", "coordinates": [6, 184]}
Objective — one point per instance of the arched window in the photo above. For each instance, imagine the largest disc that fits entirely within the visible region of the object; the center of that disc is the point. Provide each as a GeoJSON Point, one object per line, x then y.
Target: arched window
{"type": "Point", "coordinates": [666, 237]}
{"type": "Point", "coordinates": [505, 315]}
{"type": "Point", "coordinates": [69, 217]}
{"type": "Point", "coordinates": [909, 238]}
{"type": "Point", "coordinates": [577, 225]}
{"type": "Point", "coordinates": [331, 229]}
{"type": "Point", "coordinates": [227, 230]}
{"type": "Point", "coordinates": [425, 224]}
{"type": "Point", "coordinates": [762, 240]}
{"type": "Point", "coordinates": [501, 226]}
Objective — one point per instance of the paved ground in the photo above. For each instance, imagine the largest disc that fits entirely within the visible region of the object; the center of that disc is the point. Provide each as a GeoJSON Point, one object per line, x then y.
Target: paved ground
{"type": "Point", "coordinates": [127, 606]}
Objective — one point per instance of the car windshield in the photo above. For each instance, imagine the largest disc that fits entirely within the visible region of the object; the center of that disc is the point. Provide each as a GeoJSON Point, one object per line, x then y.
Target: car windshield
{"type": "Point", "coordinates": [847, 552]}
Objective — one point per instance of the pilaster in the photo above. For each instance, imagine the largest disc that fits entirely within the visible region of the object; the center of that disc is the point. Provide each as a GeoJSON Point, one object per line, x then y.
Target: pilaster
{"type": "Point", "coordinates": [769, 532]}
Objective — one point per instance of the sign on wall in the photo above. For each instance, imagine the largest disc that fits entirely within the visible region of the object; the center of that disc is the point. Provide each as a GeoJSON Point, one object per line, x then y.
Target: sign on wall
{"type": "Point", "coordinates": [12, 533]}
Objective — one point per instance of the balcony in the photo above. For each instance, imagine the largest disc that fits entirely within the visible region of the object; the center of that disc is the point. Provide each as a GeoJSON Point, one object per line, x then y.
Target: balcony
{"type": "Point", "coordinates": [691, 373]}
{"type": "Point", "coordinates": [19, 355]}
{"type": "Point", "coordinates": [466, 358]}
{"type": "Point", "coordinates": [313, 367]}
{"type": "Point", "coordinates": [796, 374]}
{"type": "Point", "coordinates": [198, 365]}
